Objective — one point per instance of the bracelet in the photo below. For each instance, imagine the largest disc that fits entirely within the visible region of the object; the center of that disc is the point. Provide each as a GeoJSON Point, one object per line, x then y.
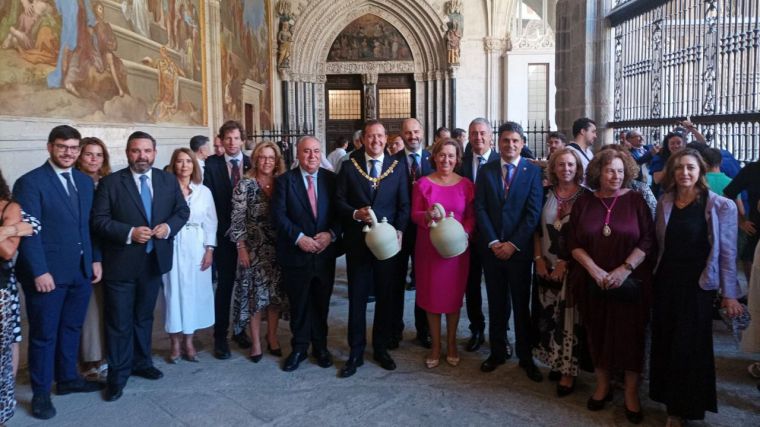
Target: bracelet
{"type": "Point", "coordinates": [536, 258]}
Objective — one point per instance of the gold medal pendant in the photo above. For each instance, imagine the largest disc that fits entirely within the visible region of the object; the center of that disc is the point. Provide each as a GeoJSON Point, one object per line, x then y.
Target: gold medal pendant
{"type": "Point", "coordinates": [557, 224]}
{"type": "Point", "coordinates": [606, 231]}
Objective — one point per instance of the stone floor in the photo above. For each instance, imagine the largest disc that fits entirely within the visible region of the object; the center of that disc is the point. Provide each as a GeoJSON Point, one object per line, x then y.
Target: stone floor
{"type": "Point", "coordinates": [238, 392]}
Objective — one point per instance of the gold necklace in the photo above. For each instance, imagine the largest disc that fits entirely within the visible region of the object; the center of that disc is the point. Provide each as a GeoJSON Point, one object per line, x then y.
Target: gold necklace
{"type": "Point", "coordinates": [375, 181]}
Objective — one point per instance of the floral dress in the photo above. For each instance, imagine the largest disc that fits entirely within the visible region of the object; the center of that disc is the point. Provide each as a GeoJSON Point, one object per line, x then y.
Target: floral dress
{"type": "Point", "coordinates": [260, 285]}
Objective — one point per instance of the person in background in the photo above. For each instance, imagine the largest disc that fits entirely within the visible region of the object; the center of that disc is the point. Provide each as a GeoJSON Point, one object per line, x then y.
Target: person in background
{"type": "Point", "coordinates": [258, 285]}
{"type": "Point", "coordinates": [94, 161]}
{"type": "Point", "coordinates": [696, 235]}
{"type": "Point", "coordinates": [339, 150]}
{"type": "Point", "coordinates": [554, 142]}
{"type": "Point", "coordinates": [747, 180]}
{"type": "Point", "coordinates": [187, 287]}
{"type": "Point", "coordinates": [200, 147]}
{"type": "Point", "coordinates": [218, 146]}
{"type": "Point", "coordinates": [460, 136]}
{"type": "Point", "coordinates": [441, 282]}
{"type": "Point", "coordinates": [623, 138]}
{"type": "Point", "coordinates": [356, 144]}
{"type": "Point", "coordinates": [442, 133]}
{"type": "Point", "coordinates": [584, 137]}
{"type": "Point", "coordinates": [395, 144]}
{"type": "Point", "coordinates": [643, 154]}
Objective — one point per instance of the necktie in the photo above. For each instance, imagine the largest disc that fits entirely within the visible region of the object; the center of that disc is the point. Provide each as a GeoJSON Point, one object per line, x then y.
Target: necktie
{"type": "Point", "coordinates": [415, 167]}
{"type": "Point", "coordinates": [147, 201]}
{"type": "Point", "coordinates": [235, 174]}
{"type": "Point", "coordinates": [510, 172]}
{"type": "Point", "coordinates": [481, 161]}
{"type": "Point", "coordinates": [312, 192]}
{"type": "Point", "coordinates": [73, 194]}
{"type": "Point", "coordinates": [373, 168]}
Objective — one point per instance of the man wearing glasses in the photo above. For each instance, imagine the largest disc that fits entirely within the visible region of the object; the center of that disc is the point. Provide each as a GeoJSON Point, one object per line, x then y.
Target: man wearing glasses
{"type": "Point", "coordinates": [56, 268]}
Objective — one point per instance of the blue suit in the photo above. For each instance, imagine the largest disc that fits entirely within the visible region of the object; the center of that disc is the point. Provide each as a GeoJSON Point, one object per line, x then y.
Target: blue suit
{"type": "Point", "coordinates": [308, 278]}
{"type": "Point", "coordinates": [65, 250]}
{"type": "Point", "coordinates": [512, 218]}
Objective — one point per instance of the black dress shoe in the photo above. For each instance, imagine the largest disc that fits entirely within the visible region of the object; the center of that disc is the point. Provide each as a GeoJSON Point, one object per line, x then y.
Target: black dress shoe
{"type": "Point", "coordinates": [555, 375]}
{"type": "Point", "coordinates": [292, 362]}
{"type": "Point", "coordinates": [476, 340]}
{"type": "Point", "coordinates": [149, 373]}
{"type": "Point", "coordinates": [42, 407]}
{"type": "Point", "coordinates": [634, 417]}
{"type": "Point", "coordinates": [350, 367]}
{"type": "Point", "coordinates": [242, 340]}
{"type": "Point", "coordinates": [532, 371]}
{"type": "Point", "coordinates": [221, 349]}
{"type": "Point", "coordinates": [508, 352]}
{"type": "Point", "coordinates": [256, 358]}
{"type": "Point", "coordinates": [385, 360]}
{"type": "Point", "coordinates": [394, 342]}
{"type": "Point", "coordinates": [425, 340]}
{"type": "Point", "coordinates": [598, 405]}
{"type": "Point", "coordinates": [490, 364]}
{"type": "Point", "coordinates": [324, 359]}
{"type": "Point", "coordinates": [274, 351]}
{"type": "Point", "coordinates": [113, 393]}
{"type": "Point", "coordinates": [563, 391]}
{"type": "Point", "coordinates": [78, 386]}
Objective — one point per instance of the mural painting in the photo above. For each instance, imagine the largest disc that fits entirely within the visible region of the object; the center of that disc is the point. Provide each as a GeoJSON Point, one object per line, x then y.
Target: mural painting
{"type": "Point", "coordinates": [369, 38]}
{"type": "Point", "coordinates": [247, 60]}
{"type": "Point", "coordinates": [103, 60]}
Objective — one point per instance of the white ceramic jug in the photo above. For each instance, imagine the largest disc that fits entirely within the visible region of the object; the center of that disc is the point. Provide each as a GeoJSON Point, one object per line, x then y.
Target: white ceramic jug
{"type": "Point", "coordinates": [447, 235]}
{"type": "Point", "coordinates": [381, 238]}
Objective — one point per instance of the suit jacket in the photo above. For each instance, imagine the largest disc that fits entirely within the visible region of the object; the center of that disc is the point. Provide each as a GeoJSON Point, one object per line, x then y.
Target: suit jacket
{"type": "Point", "coordinates": [465, 169]}
{"type": "Point", "coordinates": [118, 208]}
{"type": "Point", "coordinates": [513, 218]}
{"type": "Point", "coordinates": [291, 215]}
{"type": "Point", "coordinates": [426, 166]}
{"type": "Point", "coordinates": [390, 200]}
{"type": "Point", "coordinates": [217, 179]}
{"type": "Point", "coordinates": [65, 237]}
{"type": "Point", "coordinates": [720, 269]}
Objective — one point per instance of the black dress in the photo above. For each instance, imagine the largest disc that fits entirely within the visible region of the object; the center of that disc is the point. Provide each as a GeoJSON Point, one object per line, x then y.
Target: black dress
{"type": "Point", "coordinates": [682, 361]}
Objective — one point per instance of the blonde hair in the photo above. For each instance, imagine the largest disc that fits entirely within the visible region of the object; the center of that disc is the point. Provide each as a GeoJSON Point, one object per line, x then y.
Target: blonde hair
{"type": "Point", "coordinates": [554, 158]}
{"type": "Point", "coordinates": [279, 164]}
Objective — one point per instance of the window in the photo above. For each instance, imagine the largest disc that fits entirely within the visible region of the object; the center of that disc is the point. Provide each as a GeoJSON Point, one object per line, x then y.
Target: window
{"type": "Point", "coordinates": [344, 104]}
{"type": "Point", "coordinates": [395, 103]}
{"type": "Point", "coordinates": [538, 97]}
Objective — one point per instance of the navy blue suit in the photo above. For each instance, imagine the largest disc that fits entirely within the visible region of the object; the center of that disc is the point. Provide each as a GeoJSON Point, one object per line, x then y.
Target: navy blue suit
{"type": "Point", "coordinates": [365, 272]}
{"type": "Point", "coordinates": [513, 219]}
{"type": "Point", "coordinates": [407, 252]}
{"type": "Point", "coordinates": [133, 276]}
{"type": "Point", "coordinates": [308, 278]}
{"type": "Point", "coordinates": [473, 293]}
{"type": "Point", "coordinates": [65, 250]}
{"type": "Point", "coordinates": [217, 178]}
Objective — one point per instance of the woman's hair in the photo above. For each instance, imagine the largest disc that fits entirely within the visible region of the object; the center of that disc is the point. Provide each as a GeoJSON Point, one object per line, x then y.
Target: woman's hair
{"type": "Point", "coordinates": [604, 157]}
{"type": "Point", "coordinates": [665, 150]}
{"type": "Point", "coordinates": [279, 164]}
{"type": "Point", "coordinates": [438, 147]}
{"type": "Point", "coordinates": [5, 191]}
{"type": "Point", "coordinates": [105, 169]}
{"type": "Point", "coordinates": [196, 177]}
{"type": "Point", "coordinates": [669, 181]}
{"type": "Point", "coordinates": [554, 158]}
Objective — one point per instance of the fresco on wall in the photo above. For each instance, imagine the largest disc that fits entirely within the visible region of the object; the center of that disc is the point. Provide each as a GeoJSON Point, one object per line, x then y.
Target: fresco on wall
{"type": "Point", "coordinates": [369, 38]}
{"type": "Point", "coordinates": [246, 57]}
{"type": "Point", "coordinates": [103, 61]}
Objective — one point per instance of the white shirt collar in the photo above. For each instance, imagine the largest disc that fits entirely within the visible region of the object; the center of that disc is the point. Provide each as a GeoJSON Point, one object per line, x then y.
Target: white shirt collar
{"type": "Point", "coordinates": [304, 173]}
{"type": "Point", "coordinates": [367, 158]}
{"type": "Point", "coordinates": [485, 155]}
{"type": "Point", "coordinates": [418, 152]}
{"type": "Point", "coordinates": [515, 162]}
{"type": "Point", "coordinates": [239, 158]}
{"type": "Point", "coordinates": [57, 169]}
{"type": "Point", "coordinates": [136, 175]}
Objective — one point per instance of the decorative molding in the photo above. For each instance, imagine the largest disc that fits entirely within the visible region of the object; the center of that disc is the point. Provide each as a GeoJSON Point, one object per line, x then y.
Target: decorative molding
{"type": "Point", "coordinates": [405, 67]}
{"type": "Point", "coordinates": [656, 72]}
{"type": "Point", "coordinates": [495, 45]}
{"type": "Point", "coordinates": [618, 91]}
{"type": "Point", "coordinates": [535, 37]}
{"type": "Point", "coordinates": [710, 56]}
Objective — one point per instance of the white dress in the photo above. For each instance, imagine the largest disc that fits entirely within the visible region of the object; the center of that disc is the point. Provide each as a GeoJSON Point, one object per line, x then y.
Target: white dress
{"type": "Point", "coordinates": [751, 335]}
{"type": "Point", "coordinates": [188, 290]}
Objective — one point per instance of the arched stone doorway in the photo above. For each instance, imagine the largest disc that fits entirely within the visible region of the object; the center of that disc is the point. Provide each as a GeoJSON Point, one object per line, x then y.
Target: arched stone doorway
{"type": "Point", "coordinates": [317, 27]}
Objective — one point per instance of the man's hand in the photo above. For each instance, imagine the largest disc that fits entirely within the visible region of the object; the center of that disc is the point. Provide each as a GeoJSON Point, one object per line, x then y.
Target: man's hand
{"type": "Point", "coordinates": [97, 272]}
{"type": "Point", "coordinates": [503, 250]}
{"type": "Point", "coordinates": [44, 283]}
{"type": "Point", "coordinates": [323, 239]}
{"type": "Point", "coordinates": [748, 227]}
{"type": "Point", "coordinates": [309, 245]}
{"type": "Point", "coordinates": [141, 234]}
{"type": "Point", "coordinates": [161, 231]}
{"type": "Point", "coordinates": [362, 214]}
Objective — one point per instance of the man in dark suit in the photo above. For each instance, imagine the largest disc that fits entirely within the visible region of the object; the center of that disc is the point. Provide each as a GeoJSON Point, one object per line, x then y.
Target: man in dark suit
{"type": "Point", "coordinates": [480, 153]}
{"type": "Point", "coordinates": [508, 200]}
{"type": "Point", "coordinates": [221, 176]}
{"type": "Point", "coordinates": [303, 213]}
{"type": "Point", "coordinates": [56, 268]}
{"type": "Point", "coordinates": [137, 212]}
{"type": "Point", "coordinates": [370, 179]}
{"type": "Point", "coordinates": [416, 161]}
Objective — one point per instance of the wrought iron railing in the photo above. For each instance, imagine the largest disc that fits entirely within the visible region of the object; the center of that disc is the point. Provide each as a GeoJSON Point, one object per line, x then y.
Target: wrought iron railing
{"type": "Point", "coordinates": [284, 137]}
{"type": "Point", "coordinates": [536, 133]}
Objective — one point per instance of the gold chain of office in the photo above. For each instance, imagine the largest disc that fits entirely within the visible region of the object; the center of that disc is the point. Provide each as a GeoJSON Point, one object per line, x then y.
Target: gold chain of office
{"type": "Point", "coordinates": [375, 181]}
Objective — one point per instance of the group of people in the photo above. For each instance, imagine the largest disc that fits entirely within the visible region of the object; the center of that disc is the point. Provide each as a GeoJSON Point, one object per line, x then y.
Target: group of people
{"type": "Point", "coordinates": [575, 249]}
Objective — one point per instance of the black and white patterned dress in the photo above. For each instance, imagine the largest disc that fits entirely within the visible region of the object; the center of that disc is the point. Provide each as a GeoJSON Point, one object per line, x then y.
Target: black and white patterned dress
{"type": "Point", "coordinates": [260, 285]}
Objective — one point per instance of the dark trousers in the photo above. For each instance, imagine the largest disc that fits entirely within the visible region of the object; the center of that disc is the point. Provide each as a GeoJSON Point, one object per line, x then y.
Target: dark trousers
{"type": "Point", "coordinates": [225, 260]}
{"type": "Point", "coordinates": [55, 327]}
{"type": "Point", "coordinates": [309, 294]}
{"type": "Point", "coordinates": [508, 289]}
{"type": "Point", "coordinates": [365, 274]}
{"type": "Point", "coordinates": [129, 322]}
{"type": "Point", "coordinates": [473, 296]}
{"type": "Point", "coordinates": [399, 290]}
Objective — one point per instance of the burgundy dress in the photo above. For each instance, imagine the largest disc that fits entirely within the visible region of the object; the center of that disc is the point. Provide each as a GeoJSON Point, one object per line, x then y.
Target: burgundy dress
{"type": "Point", "coordinates": [441, 282]}
{"type": "Point", "coordinates": [616, 330]}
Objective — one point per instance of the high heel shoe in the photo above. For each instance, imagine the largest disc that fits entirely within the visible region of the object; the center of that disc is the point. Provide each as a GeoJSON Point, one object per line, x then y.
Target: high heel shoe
{"type": "Point", "coordinates": [191, 357]}
{"type": "Point", "coordinates": [256, 358]}
{"type": "Point", "coordinates": [173, 359]}
{"type": "Point", "coordinates": [563, 390]}
{"type": "Point", "coordinates": [598, 405]}
{"type": "Point", "coordinates": [432, 363]}
{"type": "Point", "coordinates": [274, 351]}
{"type": "Point", "coordinates": [632, 416]}
{"type": "Point", "coordinates": [453, 360]}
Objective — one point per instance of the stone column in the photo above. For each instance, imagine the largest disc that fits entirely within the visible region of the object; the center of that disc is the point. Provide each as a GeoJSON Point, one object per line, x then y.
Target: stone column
{"type": "Point", "coordinates": [494, 48]}
{"type": "Point", "coordinates": [214, 101]}
{"type": "Point", "coordinates": [370, 95]}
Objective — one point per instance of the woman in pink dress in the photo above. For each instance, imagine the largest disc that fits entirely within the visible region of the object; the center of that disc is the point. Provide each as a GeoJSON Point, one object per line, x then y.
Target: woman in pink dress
{"type": "Point", "coordinates": [441, 282]}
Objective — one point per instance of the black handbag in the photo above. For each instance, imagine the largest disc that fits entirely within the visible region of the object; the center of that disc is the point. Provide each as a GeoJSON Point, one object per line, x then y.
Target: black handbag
{"type": "Point", "coordinates": [628, 292]}
{"type": "Point", "coordinates": [548, 284]}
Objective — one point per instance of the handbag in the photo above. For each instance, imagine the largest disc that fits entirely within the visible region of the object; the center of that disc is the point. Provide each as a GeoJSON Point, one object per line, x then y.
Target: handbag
{"type": "Point", "coordinates": [628, 292]}
{"type": "Point", "coordinates": [548, 284]}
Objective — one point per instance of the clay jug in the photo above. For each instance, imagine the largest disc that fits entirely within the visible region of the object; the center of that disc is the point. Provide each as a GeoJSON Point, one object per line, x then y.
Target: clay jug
{"type": "Point", "coordinates": [447, 235]}
{"type": "Point", "coordinates": [381, 238]}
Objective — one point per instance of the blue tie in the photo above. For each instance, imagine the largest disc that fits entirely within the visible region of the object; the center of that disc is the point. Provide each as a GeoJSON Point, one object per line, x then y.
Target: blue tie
{"type": "Point", "coordinates": [373, 168]}
{"type": "Point", "coordinates": [147, 201]}
{"type": "Point", "coordinates": [73, 194]}
{"type": "Point", "coordinates": [509, 175]}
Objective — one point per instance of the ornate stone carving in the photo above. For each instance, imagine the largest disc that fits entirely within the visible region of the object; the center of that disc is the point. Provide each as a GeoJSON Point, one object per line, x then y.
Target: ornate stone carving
{"type": "Point", "coordinates": [494, 45]}
{"type": "Point", "coordinates": [710, 56]}
{"type": "Point", "coordinates": [453, 39]}
{"type": "Point", "coordinates": [618, 91]}
{"type": "Point", "coordinates": [284, 35]}
{"type": "Point", "coordinates": [535, 35]}
{"type": "Point", "coordinates": [656, 73]}
{"type": "Point", "coordinates": [368, 67]}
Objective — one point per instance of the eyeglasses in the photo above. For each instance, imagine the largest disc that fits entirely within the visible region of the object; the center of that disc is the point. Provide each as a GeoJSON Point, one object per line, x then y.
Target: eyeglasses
{"type": "Point", "coordinates": [267, 159]}
{"type": "Point", "coordinates": [65, 148]}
